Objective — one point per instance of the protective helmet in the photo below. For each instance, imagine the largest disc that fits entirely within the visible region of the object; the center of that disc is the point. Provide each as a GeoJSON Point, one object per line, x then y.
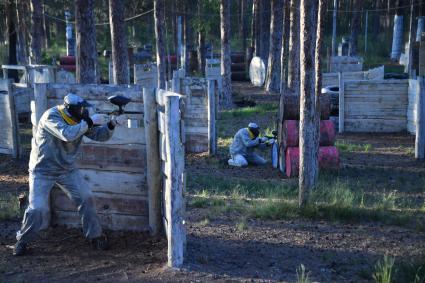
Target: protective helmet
{"type": "Point", "coordinates": [75, 105]}
{"type": "Point", "coordinates": [254, 129]}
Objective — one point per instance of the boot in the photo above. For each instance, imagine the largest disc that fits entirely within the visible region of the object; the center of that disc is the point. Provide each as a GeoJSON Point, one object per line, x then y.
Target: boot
{"type": "Point", "coordinates": [100, 243]}
{"type": "Point", "coordinates": [19, 249]}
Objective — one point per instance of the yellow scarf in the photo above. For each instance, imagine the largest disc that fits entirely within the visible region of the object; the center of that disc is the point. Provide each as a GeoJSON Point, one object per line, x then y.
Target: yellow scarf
{"type": "Point", "coordinates": [65, 116]}
{"type": "Point", "coordinates": [251, 135]}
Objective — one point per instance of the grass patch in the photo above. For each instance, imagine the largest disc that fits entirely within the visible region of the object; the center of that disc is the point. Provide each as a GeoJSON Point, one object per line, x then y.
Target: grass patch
{"type": "Point", "coordinates": [247, 112]}
{"type": "Point", "coordinates": [302, 274]}
{"type": "Point", "coordinates": [384, 270]}
{"type": "Point", "coordinates": [9, 206]}
{"type": "Point", "coordinates": [351, 147]}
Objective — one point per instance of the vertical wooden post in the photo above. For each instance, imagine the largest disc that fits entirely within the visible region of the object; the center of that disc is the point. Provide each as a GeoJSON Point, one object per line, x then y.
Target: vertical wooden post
{"type": "Point", "coordinates": [422, 56]}
{"type": "Point", "coordinates": [175, 84]}
{"type": "Point", "coordinates": [420, 120]}
{"type": "Point", "coordinates": [212, 137]}
{"type": "Point", "coordinates": [341, 103]}
{"type": "Point", "coordinates": [16, 146]}
{"type": "Point", "coordinates": [174, 183]}
{"type": "Point", "coordinates": [38, 105]}
{"type": "Point", "coordinates": [153, 169]}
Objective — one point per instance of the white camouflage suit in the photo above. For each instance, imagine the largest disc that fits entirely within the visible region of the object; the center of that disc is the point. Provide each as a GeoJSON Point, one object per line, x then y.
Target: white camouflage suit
{"type": "Point", "coordinates": [52, 161]}
{"type": "Point", "coordinates": [242, 149]}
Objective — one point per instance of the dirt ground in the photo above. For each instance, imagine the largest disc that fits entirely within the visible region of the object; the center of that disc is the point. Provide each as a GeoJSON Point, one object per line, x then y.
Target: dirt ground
{"type": "Point", "coordinates": [265, 251]}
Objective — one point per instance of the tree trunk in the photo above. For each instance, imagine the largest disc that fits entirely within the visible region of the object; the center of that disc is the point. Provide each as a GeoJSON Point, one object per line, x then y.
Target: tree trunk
{"type": "Point", "coordinates": [201, 42]}
{"type": "Point", "coordinates": [255, 27]}
{"type": "Point", "coordinates": [119, 42]}
{"type": "Point", "coordinates": [355, 27]}
{"type": "Point", "coordinates": [309, 119]}
{"type": "Point", "coordinates": [376, 19]}
{"type": "Point", "coordinates": [175, 31]}
{"type": "Point", "coordinates": [273, 66]}
{"type": "Point", "coordinates": [225, 53]}
{"type": "Point", "coordinates": [264, 30]}
{"type": "Point", "coordinates": [294, 48]}
{"type": "Point", "coordinates": [334, 24]}
{"type": "Point", "coordinates": [12, 36]}
{"type": "Point", "coordinates": [36, 31]}
{"type": "Point", "coordinates": [160, 44]}
{"type": "Point", "coordinates": [321, 16]}
{"type": "Point", "coordinates": [46, 30]}
{"type": "Point", "coordinates": [285, 47]}
{"type": "Point", "coordinates": [22, 43]}
{"type": "Point", "coordinates": [243, 24]}
{"type": "Point", "coordinates": [397, 45]}
{"type": "Point", "coordinates": [86, 42]}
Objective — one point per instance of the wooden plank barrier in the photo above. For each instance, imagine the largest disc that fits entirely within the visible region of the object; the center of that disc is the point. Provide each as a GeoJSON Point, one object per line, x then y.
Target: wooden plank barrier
{"type": "Point", "coordinates": [9, 135]}
{"type": "Point", "coordinates": [331, 79]}
{"type": "Point", "coordinates": [374, 106]}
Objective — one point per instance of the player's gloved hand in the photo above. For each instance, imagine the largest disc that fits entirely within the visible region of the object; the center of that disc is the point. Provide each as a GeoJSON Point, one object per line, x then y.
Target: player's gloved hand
{"type": "Point", "coordinates": [118, 120]}
{"type": "Point", "coordinates": [100, 119]}
{"type": "Point", "coordinates": [263, 139]}
{"type": "Point", "coordinates": [85, 117]}
{"type": "Point", "coordinates": [270, 141]}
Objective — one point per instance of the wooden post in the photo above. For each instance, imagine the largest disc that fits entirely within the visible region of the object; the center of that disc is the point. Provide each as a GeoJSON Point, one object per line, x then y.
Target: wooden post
{"type": "Point", "coordinates": [175, 84]}
{"type": "Point", "coordinates": [420, 120]}
{"type": "Point", "coordinates": [341, 103]}
{"type": "Point", "coordinates": [212, 137]}
{"type": "Point", "coordinates": [174, 168]}
{"type": "Point", "coordinates": [153, 169]}
{"type": "Point", "coordinates": [38, 105]}
{"type": "Point", "coordinates": [16, 146]}
{"type": "Point", "coordinates": [422, 56]}
{"type": "Point", "coordinates": [334, 28]}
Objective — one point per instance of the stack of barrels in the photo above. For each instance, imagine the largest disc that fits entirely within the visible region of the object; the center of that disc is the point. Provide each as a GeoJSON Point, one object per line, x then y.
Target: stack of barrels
{"type": "Point", "coordinates": [328, 153]}
{"type": "Point", "coordinates": [68, 63]}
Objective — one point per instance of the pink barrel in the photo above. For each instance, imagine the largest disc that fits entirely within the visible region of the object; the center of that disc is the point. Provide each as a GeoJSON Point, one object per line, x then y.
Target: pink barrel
{"type": "Point", "coordinates": [67, 60]}
{"type": "Point", "coordinates": [327, 132]}
{"type": "Point", "coordinates": [328, 158]}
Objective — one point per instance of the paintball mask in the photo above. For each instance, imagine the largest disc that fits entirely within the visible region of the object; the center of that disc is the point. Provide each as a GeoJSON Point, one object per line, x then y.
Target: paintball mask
{"type": "Point", "coordinates": [76, 106]}
{"type": "Point", "coordinates": [254, 129]}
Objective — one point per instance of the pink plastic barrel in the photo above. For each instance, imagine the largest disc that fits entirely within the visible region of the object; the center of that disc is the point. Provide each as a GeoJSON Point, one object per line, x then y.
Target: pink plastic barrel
{"type": "Point", "coordinates": [328, 158]}
{"type": "Point", "coordinates": [69, 68]}
{"type": "Point", "coordinates": [67, 60]}
{"type": "Point", "coordinates": [327, 132]}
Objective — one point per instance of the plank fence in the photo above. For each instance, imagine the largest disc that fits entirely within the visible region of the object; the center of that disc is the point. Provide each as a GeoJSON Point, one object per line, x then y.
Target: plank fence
{"type": "Point", "coordinates": [128, 172]}
{"type": "Point", "coordinates": [332, 79]}
{"type": "Point", "coordinates": [9, 137]}
{"type": "Point", "coordinates": [346, 64]}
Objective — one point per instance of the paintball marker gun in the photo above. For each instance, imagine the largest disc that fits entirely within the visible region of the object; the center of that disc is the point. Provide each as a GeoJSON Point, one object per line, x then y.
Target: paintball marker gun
{"type": "Point", "coordinates": [272, 141]}
{"type": "Point", "coordinates": [121, 102]}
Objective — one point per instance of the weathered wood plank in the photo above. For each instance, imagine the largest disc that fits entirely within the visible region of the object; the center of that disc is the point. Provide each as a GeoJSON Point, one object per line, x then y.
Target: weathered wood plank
{"type": "Point", "coordinates": [110, 221]}
{"type": "Point", "coordinates": [122, 136]}
{"type": "Point", "coordinates": [420, 121]}
{"type": "Point", "coordinates": [115, 182]}
{"type": "Point", "coordinates": [102, 106]}
{"type": "Point", "coordinates": [196, 130]}
{"type": "Point", "coordinates": [104, 203]}
{"type": "Point", "coordinates": [212, 137]}
{"type": "Point", "coordinates": [341, 103]}
{"type": "Point", "coordinates": [132, 158]}
{"type": "Point", "coordinates": [375, 125]}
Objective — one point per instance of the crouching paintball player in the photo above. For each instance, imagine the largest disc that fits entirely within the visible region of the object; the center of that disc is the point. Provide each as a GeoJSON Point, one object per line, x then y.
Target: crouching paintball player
{"type": "Point", "coordinates": [244, 143]}
{"type": "Point", "coordinates": [54, 150]}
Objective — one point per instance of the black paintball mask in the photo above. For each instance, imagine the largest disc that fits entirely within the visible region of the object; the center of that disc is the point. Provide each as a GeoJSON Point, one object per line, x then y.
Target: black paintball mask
{"type": "Point", "coordinates": [255, 132]}
{"type": "Point", "coordinates": [76, 107]}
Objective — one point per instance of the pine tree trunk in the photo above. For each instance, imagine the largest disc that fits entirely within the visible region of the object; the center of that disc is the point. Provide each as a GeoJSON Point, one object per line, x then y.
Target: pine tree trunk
{"type": "Point", "coordinates": [160, 44]}
{"type": "Point", "coordinates": [12, 37]}
{"type": "Point", "coordinates": [36, 31]}
{"type": "Point", "coordinates": [265, 30]}
{"type": "Point", "coordinates": [294, 48]}
{"type": "Point", "coordinates": [243, 24]}
{"type": "Point", "coordinates": [376, 19]}
{"type": "Point", "coordinates": [86, 42]}
{"type": "Point", "coordinates": [46, 36]}
{"type": "Point", "coordinates": [119, 42]}
{"type": "Point", "coordinates": [255, 27]}
{"type": "Point", "coordinates": [201, 43]}
{"type": "Point", "coordinates": [22, 43]}
{"type": "Point", "coordinates": [285, 47]}
{"type": "Point", "coordinates": [355, 27]}
{"type": "Point", "coordinates": [321, 16]}
{"type": "Point", "coordinates": [397, 44]}
{"type": "Point", "coordinates": [273, 66]}
{"type": "Point", "coordinates": [175, 30]}
{"type": "Point", "coordinates": [225, 53]}
{"type": "Point", "coordinates": [308, 115]}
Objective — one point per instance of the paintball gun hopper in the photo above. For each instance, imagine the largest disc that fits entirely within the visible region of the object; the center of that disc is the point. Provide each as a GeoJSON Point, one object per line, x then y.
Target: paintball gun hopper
{"type": "Point", "coordinates": [119, 101]}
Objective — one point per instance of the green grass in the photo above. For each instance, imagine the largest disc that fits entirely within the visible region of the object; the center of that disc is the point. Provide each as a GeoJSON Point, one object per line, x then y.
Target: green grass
{"type": "Point", "coordinates": [266, 108]}
{"type": "Point", "coordinates": [9, 206]}
{"type": "Point", "coordinates": [350, 147]}
{"type": "Point", "coordinates": [302, 275]}
{"type": "Point", "coordinates": [384, 270]}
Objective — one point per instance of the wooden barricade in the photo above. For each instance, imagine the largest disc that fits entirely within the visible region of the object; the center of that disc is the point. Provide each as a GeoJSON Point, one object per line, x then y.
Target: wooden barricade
{"type": "Point", "coordinates": [9, 135]}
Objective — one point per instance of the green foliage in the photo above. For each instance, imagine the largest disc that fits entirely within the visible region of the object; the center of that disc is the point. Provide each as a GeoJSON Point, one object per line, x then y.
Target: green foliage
{"type": "Point", "coordinates": [266, 108]}
{"type": "Point", "coordinates": [351, 147]}
{"type": "Point", "coordinates": [302, 275]}
{"type": "Point", "coordinates": [384, 270]}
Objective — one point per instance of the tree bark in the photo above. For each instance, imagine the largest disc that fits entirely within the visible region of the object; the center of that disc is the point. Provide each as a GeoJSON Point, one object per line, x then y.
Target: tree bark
{"type": "Point", "coordinates": [255, 27]}
{"type": "Point", "coordinates": [294, 48]}
{"type": "Point", "coordinates": [201, 42]}
{"type": "Point", "coordinates": [12, 37]}
{"type": "Point", "coordinates": [376, 19]}
{"type": "Point", "coordinates": [355, 27]}
{"type": "Point", "coordinates": [86, 42]}
{"type": "Point", "coordinates": [22, 43]}
{"type": "Point", "coordinates": [46, 30]}
{"type": "Point", "coordinates": [264, 30]}
{"type": "Point", "coordinates": [397, 44]}
{"type": "Point", "coordinates": [243, 24]}
{"type": "Point", "coordinates": [160, 44]}
{"type": "Point", "coordinates": [119, 42]}
{"type": "Point", "coordinates": [225, 53]}
{"type": "Point", "coordinates": [285, 47]}
{"type": "Point", "coordinates": [308, 115]}
{"type": "Point", "coordinates": [334, 24]}
{"type": "Point", "coordinates": [273, 66]}
{"type": "Point", "coordinates": [321, 16]}
{"type": "Point", "coordinates": [36, 31]}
